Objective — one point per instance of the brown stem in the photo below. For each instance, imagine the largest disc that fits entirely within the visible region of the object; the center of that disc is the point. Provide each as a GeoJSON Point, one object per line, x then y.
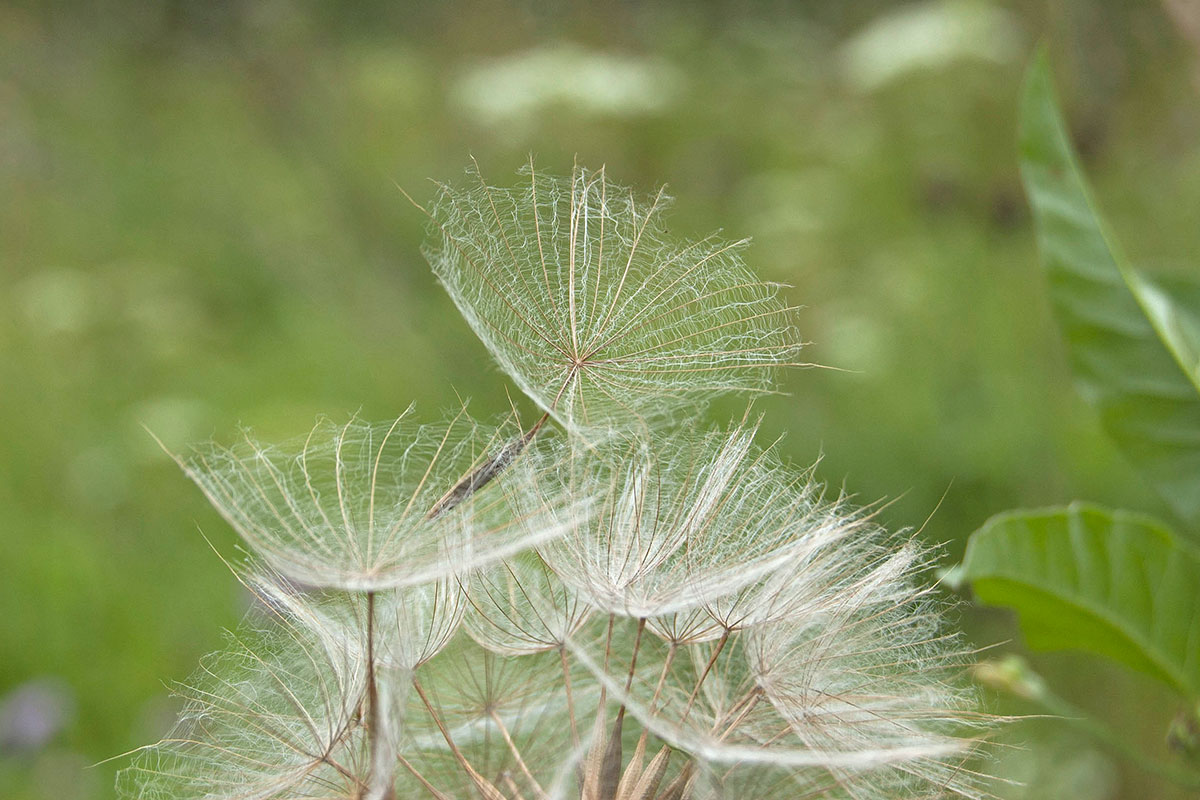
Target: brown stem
{"type": "Point", "coordinates": [610, 767]}
{"type": "Point", "coordinates": [562, 654]}
{"type": "Point", "coordinates": [537, 787]}
{"type": "Point", "coordinates": [404, 762]}
{"type": "Point", "coordinates": [637, 644]}
{"type": "Point", "coordinates": [379, 770]}
{"type": "Point", "coordinates": [344, 771]}
{"type": "Point", "coordinates": [373, 717]}
{"type": "Point", "coordinates": [708, 668]}
{"type": "Point", "coordinates": [484, 786]}
{"type": "Point", "coordinates": [749, 702]}
{"type": "Point", "coordinates": [607, 656]}
{"type": "Point", "coordinates": [372, 686]}
{"type": "Point", "coordinates": [662, 680]}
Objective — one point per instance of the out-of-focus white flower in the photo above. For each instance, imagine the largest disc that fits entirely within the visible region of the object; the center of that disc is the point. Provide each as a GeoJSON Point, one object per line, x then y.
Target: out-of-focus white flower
{"type": "Point", "coordinates": [929, 35]}
{"type": "Point", "coordinates": [514, 87]}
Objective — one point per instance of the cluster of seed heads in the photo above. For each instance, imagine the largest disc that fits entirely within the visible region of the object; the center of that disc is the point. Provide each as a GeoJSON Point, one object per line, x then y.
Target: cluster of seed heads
{"type": "Point", "coordinates": [613, 603]}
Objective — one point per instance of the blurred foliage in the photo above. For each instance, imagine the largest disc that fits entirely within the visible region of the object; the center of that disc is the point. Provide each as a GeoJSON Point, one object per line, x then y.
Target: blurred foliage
{"type": "Point", "coordinates": [200, 228]}
{"type": "Point", "coordinates": [1111, 583]}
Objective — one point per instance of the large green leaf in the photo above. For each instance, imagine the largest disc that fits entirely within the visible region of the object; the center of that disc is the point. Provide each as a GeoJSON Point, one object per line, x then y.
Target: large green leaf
{"type": "Point", "coordinates": [1112, 583]}
{"type": "Point", "coordinates": [1134, 344]}
{"type": "Point", "coordinates": [1173, 306]}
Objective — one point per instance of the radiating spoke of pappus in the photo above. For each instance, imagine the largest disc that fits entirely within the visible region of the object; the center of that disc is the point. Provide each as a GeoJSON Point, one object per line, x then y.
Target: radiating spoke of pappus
{"type": "Point", "coordinates": [856, 701]}
{"type": "Point", "coordinates": [686, 520]}
{"type": "Point", "coordinates": [867, 660]}
{"type": "Point", "coordinates": [510, 719]}
{"type": "Point", "coordinates": [593, 311]}
{"type": "Point", "coordinates": [409, 625]}
{"type": "Point", "coordinates": [520, 606]}
{"type": "Point", "coordinates": [276, 714]}
{"type": "Point", "coordinates": [369, 507]}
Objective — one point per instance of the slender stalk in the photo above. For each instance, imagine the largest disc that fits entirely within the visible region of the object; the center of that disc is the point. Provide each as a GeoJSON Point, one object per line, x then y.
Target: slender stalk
{"type": "Point", "coordinates": [372, 686]}
{"type": "Point", "coordinates": [609, 779]}
{"type": "Point", "coordinates": [749, 701]}
{"type": "Point", "coordinates": [672, 648]}
{"type": "Point", "coordinates": [708, 668]}
{"type": "Point", "coordinates": [566, 669]}
{"type": "Point", "coordinates": [607, 658]}
{"type": "Point", "coordinates": [440, 795]}
{"type": "Point", "coordinates": [662, 677]}
{"type": "Point", "coordinates": [637, 644]}
{"type": "Point", "coordinates": [484, 786]}
{"type": "Point", "coordinates": [505, 779]}
{"type": "Point", "coordinates": [537, 787]}
{"type": "Point", "coordinates": [344, 771]}
{"type": "Point", "coordinates": [379, 766]}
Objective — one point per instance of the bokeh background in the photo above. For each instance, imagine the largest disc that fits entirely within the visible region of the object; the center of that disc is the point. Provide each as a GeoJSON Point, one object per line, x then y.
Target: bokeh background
{"type": "Point", "coordinates": [200, 229]}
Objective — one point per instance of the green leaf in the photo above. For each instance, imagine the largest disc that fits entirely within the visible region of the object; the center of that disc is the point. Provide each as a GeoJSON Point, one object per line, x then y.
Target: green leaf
{"type": "Point", "coordinates": [1173, 307]}
{"type": "Point", "coordinates": [1134, 343]}
{"type": "Point", "coordinates": [1112, 583]}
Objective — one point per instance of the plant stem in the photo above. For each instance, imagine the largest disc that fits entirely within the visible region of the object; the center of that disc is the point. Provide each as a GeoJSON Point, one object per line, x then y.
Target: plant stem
{"type": "Point", "coordinates": [662, 679]}
{"type": "Point", "coordinates": [708, 668]}
{"type": "Point", "coordinates": [566, 669]}
{"type": "Point", "coordinates": [537, 787]}
{"type": "Point", "coordinates": [379, 767]}
{"type": "Point", "coordinates": [484, 786]}
{"type": "Point", "coordinates": [607, 656]}
{"type": "Point", "coordinates": [749, 701]}
{"type": "Point", "coordinates": [372, 687]}
{"type": "Point", "coordinates": [404, 762]}
{"type": "Point", "coordinates": [637, 644]}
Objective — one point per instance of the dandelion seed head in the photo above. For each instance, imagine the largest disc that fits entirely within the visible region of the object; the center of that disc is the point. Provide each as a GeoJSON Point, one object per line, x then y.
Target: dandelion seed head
{"type": "Point", "coordinates": [520, 606]}
{"type": "Point", "coordinates": [632, 611]}
{"type": "Point", "coordinates": [352, 506]}
{"type": "Point", "coordinates": [271, 716]}
{"type": "Point", "coordinates": [685, 522]}
{"type": "Point", "coordinates": [593, 311]}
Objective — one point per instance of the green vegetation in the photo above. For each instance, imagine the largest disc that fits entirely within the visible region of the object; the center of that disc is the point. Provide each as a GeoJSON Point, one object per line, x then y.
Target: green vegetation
{"type": "Point", "coordinates": [1114, 584]}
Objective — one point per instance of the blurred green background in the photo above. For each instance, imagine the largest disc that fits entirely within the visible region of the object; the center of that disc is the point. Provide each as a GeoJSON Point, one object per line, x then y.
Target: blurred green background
{"type": "Point", "coordinates": [200, 229]}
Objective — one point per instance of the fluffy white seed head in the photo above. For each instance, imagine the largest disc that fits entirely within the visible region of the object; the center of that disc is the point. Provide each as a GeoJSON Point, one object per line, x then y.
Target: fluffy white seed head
{"type": "Point", "coordinates": [363, 507]}
{"type": "Point", "coordinates": [593, 311]}
{"type": "Point", "coordinates": [521, 606]}
{"type": "Point", "coordinates": [639, 611]}
{"type": "Point", "coordinates": [274, 715]}
{"type": "Point", "coordinates": [685, 521]}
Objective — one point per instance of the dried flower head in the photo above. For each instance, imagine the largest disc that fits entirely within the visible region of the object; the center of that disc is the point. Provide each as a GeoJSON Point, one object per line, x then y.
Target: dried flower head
{"type": "Point", "coordinates": [684, 520]}
{"type": "Point", "coordinates": [361, 507]}
{"type": "Point", "coordinates": [640, 610]}
{"type": "Point", "coordinates": [744, 636]}
{"type": "Point", "coordinates": [274, 715]}
{"type": "Point", "coordinates": [593, 311]}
